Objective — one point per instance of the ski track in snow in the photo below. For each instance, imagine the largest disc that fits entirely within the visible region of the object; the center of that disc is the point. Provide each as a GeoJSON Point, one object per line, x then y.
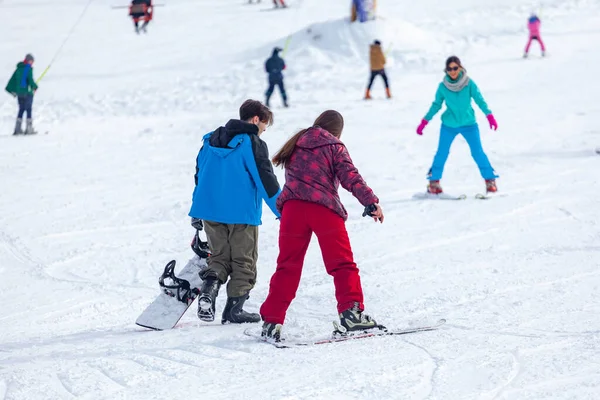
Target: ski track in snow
{"type": "Point", "coordinates": [91, 212]}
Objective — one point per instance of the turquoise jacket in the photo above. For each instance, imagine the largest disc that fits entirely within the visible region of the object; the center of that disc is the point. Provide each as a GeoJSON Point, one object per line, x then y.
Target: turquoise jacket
{"type": "Point", "coordinates": [459, 111]}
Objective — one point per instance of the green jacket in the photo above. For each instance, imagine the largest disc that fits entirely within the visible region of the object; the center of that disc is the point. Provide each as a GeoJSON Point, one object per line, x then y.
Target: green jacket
{"type": "Point", "coordinates": [21, 82]}
{"type": "Point", "coordinates": [459, 111]}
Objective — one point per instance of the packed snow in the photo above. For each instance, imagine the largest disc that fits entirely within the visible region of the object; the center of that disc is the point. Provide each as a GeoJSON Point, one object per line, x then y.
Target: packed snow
{"type": "Point", "coordinates": [95, 205]}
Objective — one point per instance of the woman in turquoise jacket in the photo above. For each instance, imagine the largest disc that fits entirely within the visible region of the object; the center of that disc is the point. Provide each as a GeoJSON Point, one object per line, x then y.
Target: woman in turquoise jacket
{"type": "Point", "coordinates": [457, 90]}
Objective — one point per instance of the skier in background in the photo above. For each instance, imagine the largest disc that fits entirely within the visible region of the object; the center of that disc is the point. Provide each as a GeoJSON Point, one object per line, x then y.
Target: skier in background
{"type": "Point", "coordinates": [457, 90]}
{"type": "Point", "coordinates": [316, 162]}
{"type": "Point", "coordinates": [233, 176]}
{"type": "Point", "coordinates": [274, 67]}
{"type": "Point", "coordinates": [141, 10]}
{"type": "Point", "coordinates": [377, 60]}
{"type": "Point", "coordinates": [22, 86]}
{"type": "Point", "coordinates": [533, 24]}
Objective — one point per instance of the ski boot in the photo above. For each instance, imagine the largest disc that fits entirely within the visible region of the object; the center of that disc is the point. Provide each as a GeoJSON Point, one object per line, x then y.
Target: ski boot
{"type": "Point", "coordinates": [208, 298]}
{"type": "Point", "coordinates": [525, 55]}
{"type": "Point", "coordinates": [388, 93]}
{"type": "Point", "coordinates": [233, 312]}
{"type": "Point", "coordinates": [18, 130]}
{"type": "Point", "coordinates": [434, 187]}
{"type": "Point", "coordinates": [29, 127]}
{"type": "Point", "coordinates": [490, 186]}
{"type": "Point", "coordinates": [271, 331]}
{"type": "Point", "coordinates": [354, 319]}
{"type": "Point", "coordinates": [368, 95]}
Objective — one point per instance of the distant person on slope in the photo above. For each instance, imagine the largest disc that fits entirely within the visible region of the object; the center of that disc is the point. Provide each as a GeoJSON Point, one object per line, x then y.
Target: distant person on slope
{"type": "Point", "coordinates": [141, 10]}
{"type": "Point", "coordinates": [22, 86]}
{"type": "Point", "coordinates": [316, 162]}
{"type": "Point", "coordinates": [274, 67]}
{"type": "Point", "coordinates": [233, 176]}
{"type": "Point", "coordinates": [533, 24]}
{"type": "Point", "coordinates": [457, 90]}
{"type": "Point", "coordinates": [377, 59]}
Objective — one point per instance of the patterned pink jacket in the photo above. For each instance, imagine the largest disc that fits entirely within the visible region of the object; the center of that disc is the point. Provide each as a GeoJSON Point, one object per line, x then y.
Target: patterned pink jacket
{"type": "Point", "coordinates": [319, 163]}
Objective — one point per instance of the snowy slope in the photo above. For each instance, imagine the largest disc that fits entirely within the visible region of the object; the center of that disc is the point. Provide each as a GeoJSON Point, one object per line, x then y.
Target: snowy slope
{"type": "Point", "coordinates": [91, 212]}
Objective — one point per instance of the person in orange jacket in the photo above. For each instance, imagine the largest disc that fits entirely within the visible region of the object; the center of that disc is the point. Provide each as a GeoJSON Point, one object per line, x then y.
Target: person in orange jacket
{"type": "Point", "coordinates": [377, 59]}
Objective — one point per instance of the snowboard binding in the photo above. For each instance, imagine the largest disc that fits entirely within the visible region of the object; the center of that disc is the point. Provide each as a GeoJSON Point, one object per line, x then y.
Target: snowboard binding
{"type": "Point", "coordinates": [200, 248]}
{"type": "Point", "coordinates": [177, 288]}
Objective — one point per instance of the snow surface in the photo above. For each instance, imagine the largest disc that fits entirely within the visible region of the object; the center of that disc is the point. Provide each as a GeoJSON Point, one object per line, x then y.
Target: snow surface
{"type": "Point", "coordinates": [92, 211]}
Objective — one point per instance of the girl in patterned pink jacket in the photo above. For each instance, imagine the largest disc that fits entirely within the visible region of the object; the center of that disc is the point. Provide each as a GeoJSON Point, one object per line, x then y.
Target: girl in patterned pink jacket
{"type": "Point", "coordinates": [316, 162]}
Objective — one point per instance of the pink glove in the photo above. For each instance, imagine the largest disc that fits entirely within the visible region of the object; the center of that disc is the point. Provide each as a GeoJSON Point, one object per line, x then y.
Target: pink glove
{"type": "Point", "coordinates": [422, 126]}
{"type": "Point", "coordinates": [492, 121]}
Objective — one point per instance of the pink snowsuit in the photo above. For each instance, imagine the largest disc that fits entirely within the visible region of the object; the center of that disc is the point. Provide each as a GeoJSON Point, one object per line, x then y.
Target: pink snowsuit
{"type": "Point", "coordinates": [534, 33]}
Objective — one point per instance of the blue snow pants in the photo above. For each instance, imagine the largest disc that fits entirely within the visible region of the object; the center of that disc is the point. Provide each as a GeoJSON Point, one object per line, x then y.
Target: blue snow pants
{"type": "Point", "coordinates": [471, 135]}
{"type": "Point", "coordinates": [25, 105]}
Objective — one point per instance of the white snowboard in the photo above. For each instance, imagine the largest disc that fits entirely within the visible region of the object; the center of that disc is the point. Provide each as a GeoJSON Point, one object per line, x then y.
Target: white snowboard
{"type": "Point", "coordinates": [165, 311]}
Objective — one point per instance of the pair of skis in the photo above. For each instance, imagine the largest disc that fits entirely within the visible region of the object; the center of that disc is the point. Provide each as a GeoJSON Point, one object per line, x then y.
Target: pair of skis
{"type": "Point", "coordinates": [445, 196]}
{"type": "Point", "coordinates": [342, 337]}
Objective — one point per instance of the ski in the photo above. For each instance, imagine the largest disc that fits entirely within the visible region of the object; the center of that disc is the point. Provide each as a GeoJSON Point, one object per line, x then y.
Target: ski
{"type": "Point", "coordinates": [275, 8]}
{"type": "Point", "coordinates": [441, 196]}
{"type": "Point", "coordinates": [339, 337]}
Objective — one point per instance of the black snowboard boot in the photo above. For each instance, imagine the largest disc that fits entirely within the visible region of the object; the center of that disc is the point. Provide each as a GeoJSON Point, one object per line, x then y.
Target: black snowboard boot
{"type": "Point", "coordinates": [353, 319]}
{"type": "Point", "coordinates": [271, 331]}
{"type": "Point", "coordinates": [234, 314]}
{"type": "Point", "coordinates": [208, 298]}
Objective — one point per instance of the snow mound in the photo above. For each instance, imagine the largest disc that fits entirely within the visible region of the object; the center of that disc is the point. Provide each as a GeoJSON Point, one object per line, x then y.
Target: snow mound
{"type": "Point", "coordinates": [338, 41]}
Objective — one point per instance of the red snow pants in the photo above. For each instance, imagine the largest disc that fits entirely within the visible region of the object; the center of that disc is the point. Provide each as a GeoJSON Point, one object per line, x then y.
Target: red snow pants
{"type": "Point", "coordinates": [299, 219]}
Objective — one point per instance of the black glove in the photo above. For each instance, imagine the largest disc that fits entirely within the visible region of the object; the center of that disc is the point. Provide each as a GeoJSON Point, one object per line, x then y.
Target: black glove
{"type": "Point", "coordinates": [197, 224]}
{"type": "Point", "coordinates": [369, 210]}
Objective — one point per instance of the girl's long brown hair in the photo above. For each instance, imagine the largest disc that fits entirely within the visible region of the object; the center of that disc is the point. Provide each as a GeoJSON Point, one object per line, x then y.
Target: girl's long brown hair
{"type": "Point", "coordinates": [330, 120]}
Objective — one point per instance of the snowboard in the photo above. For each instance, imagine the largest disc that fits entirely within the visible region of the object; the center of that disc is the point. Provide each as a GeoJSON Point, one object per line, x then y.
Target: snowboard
{"type": "Point", "coordinates": [176, 297]}
{"type": "Point", "coordinates": [338, 337]}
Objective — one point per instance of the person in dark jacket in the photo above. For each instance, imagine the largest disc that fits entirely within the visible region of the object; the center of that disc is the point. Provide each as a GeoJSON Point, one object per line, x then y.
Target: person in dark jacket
{"type": "Point", "coordinates": [233, 177]}
{"type": "Point", "coordinates": [141, 10]}
{"type": "Point", "coordinates": [316, 162]}
{"type": "Point", "coordinates": [274, 67]}
{"type": "Point", "coordinates": [23, 86]}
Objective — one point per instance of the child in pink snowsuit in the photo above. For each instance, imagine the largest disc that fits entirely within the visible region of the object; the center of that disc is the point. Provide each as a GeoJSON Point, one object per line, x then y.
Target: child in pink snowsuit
{"type": "Point", "coordinates": [533, 25]}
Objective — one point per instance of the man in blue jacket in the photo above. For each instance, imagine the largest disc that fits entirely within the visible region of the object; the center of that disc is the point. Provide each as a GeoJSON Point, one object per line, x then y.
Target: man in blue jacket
{"type": "Point", "coordinates": [233, 176]}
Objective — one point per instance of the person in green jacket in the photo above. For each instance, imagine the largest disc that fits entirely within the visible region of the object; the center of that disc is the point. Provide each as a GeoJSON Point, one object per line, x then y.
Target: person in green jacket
{"type": "Point", "coordinates": [457, 90]}
{"type": "Point", "coordinates": [22, 86]}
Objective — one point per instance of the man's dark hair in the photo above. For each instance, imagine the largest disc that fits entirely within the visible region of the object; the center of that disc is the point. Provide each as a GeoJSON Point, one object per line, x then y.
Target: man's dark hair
{"type": "Point", "coordinates": [254, 108]}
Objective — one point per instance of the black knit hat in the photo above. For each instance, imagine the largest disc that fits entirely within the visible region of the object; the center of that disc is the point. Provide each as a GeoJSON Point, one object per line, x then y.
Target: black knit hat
{"type": "Point", "coordinates": [377, 42]}
{"type": "Point", "coordinates": [29, 57]}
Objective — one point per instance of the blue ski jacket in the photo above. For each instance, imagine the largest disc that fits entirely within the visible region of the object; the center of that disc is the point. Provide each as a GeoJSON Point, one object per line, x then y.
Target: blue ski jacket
{"type": "Point", "coordinates": [233, 176]}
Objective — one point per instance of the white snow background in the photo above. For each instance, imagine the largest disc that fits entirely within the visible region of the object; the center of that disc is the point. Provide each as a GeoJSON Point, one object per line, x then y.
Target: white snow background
{"type": "Point", "coordinates": [92, 211]}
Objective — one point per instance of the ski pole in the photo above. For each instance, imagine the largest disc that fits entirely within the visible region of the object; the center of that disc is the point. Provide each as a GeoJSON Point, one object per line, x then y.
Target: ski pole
{"type": "Point", "coordinates": [64, 41]}
{"type": "Point", "coordinates": [287, 44]}
{"type": "Point", "coordinates": [43, 74]}
{"type": "Point", "coordinates": [389, 49]}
